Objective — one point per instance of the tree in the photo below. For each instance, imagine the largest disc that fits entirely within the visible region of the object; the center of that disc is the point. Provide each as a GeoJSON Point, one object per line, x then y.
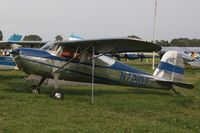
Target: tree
{"type": "Point", "coordinates": [162, 43]}
{"type": "Point", "coordinates": [32, 38]}
{"type": "Point", "coordinates": [59, 38]}
{"type": "Point", "coordinates": [185, 42]}
{"type": "Point", "coordinates": [134, 36]}
{"type": "Point", "coordinates": [1, 35]}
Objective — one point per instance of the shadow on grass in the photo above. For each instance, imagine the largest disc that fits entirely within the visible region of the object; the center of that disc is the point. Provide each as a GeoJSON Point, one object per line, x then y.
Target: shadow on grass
{"type": "Point", "coordinates": [10, 77]}
{"type": "Point", "coordinates": [85, 90]}
{"type": "Point", "coordinates": [151, 91]}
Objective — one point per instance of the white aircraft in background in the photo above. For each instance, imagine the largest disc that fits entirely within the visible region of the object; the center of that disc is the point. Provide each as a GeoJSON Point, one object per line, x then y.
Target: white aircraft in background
{"type": "Point", "coordinates": [6, 62]}
{"type": "Point", "coordinates": [185, 52]}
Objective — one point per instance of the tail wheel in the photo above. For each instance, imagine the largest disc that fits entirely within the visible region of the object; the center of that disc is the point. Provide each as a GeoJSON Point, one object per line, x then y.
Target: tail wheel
{"type": "Point", "coordinates": [57, 94]}
{"type": "Point", "coordinates": [34, 89]}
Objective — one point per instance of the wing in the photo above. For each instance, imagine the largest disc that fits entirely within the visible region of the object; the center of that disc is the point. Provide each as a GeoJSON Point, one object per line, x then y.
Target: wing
{"type": "Point", "coordinates": [113, 45]}
{"type": "Point", "coordinates": [9, 44]}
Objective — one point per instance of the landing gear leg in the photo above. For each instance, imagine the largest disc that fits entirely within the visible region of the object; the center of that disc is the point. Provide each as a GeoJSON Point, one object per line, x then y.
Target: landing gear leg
{"type": "Point", "coordinates": [57, 93]}
{"type": "Point", "coordinates": [36, 88]}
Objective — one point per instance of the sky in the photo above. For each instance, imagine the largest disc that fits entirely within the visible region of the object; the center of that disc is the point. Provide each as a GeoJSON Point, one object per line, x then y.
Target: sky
{"type": "Point", "coordinates": [100, 18]}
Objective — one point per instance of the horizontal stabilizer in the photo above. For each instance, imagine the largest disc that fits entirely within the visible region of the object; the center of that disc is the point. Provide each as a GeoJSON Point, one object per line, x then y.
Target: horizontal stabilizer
{"type": "Point", "coordinates": [180, 84]}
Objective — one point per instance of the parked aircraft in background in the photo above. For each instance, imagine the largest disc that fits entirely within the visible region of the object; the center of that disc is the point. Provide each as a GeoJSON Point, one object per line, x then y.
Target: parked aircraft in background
{"type": "Point", "coordinates": [85, 61]}
{"type": "Point", "coordinates": [6, 44]}
{"type": "Point", "coordinates": [6, 62]}
{"type": "Point", "coordinates": [183, 49]}
{"type": "Point", "coordinates": [12, 43]}
{"type": "Point", "coordinates": [133, 56]}
{"type": "Point", "coordinates": [190, 55]}
{"type": "Point", "coordinates": [15, 41]}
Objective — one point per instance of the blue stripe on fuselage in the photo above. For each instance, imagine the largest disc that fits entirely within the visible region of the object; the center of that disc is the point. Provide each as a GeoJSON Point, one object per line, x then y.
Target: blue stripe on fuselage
{"type": "Point", "coordinates": [33, 52]}
{"type": "Point", "coordinates": [171, 68]}
{"type": "Point", "coordinates": [123, 67]}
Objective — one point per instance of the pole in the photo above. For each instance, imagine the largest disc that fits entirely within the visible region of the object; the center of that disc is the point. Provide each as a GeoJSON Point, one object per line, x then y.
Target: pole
{"type": "Point", "coordinates": [154, 33]}
{"type": "Point", "coordinates": [92, 100]}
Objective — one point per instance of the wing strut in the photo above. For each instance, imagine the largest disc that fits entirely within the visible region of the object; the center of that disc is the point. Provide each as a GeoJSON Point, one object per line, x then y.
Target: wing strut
{"type": "Point", "coordinates": [93, 61]}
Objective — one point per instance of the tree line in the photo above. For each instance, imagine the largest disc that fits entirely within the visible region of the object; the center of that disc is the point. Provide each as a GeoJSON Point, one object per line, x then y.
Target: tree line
{"type": "Point", "coordinates": [179, 42]}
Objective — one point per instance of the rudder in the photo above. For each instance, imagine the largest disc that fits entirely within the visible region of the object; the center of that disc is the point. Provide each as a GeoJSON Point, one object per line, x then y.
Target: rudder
{"type": "Point", "coordinates": [171, 67]}
{"type": "Point", "coordinates": [15, 37]}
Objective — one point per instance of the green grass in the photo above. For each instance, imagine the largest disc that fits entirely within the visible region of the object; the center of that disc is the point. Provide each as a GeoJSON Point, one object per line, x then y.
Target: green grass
{"type": "Point", "coordinates": [116, 108]}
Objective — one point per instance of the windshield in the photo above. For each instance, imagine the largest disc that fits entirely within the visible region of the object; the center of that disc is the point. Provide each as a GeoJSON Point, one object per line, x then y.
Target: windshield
{"type": "Point", "coordinates": [49, 46]}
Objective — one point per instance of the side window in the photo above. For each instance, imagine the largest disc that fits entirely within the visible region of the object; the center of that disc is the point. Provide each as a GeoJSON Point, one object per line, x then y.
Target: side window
{"type": "Point", "coordinates": [67, 54]}
{"type": "Point", "coordinates": [85, 57]}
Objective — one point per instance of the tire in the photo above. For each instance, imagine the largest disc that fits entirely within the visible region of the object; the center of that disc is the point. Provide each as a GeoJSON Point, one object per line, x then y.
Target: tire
{"type": "Point", "coordinates": [34, 89]}
{"type": "Point", "coordinates": [57, 94]}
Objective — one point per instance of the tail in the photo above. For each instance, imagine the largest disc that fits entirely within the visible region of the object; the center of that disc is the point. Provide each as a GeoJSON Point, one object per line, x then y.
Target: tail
{"type": "Point", "coordinates": [75, 37]}
{"type": "Point", "coordinates": [15, 37]}
{"type": "Point", "coordinates": [171, 69]}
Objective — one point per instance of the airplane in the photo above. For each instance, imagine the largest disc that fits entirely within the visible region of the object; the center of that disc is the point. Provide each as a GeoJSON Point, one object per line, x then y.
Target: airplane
{"type": "Point", "coordinates": [85, 61]}
{"type": "Point", "coordinates": [134, 56]}
{"type": "Point", "coordinates": [183, 49]}
{"type": "Point", "coordinates": [191, 62]}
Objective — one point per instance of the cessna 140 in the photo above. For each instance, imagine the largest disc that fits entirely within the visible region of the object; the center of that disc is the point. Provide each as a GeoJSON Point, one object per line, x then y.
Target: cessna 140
{"type": "Point", "coordinates": [85, 61]}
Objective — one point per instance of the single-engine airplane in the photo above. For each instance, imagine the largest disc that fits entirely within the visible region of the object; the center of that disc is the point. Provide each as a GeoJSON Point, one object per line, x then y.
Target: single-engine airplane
{"type": "Point", "coordinates": [85, 61]}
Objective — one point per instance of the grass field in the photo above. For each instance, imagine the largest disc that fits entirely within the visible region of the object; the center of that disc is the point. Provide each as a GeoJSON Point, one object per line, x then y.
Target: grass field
{"type": "Point", "coordinates": [116, 109]}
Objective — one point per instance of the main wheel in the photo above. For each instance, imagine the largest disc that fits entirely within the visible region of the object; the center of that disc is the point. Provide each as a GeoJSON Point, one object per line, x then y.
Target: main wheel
{"type": "Point", "coordinates": [34, 89]}
{"type": "Point", "coordinates": [57, 94]}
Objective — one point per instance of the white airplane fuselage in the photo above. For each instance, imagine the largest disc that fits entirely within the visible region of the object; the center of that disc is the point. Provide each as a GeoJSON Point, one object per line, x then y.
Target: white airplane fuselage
{"type": "Point", "coordinates": [107, 70]}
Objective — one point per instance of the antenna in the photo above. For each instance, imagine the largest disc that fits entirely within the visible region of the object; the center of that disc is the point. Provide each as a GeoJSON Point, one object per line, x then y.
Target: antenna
{"type": "Point", "coordinates": [154, 32]}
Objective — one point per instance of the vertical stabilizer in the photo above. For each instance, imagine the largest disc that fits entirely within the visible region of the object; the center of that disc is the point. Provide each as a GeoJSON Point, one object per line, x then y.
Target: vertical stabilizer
{"type": "Point", "coordinates": [15, 37]}
{"type": "Point", "coordinates": [171, 67]}
{"type": "Point", "coordinates": [75, 37]}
